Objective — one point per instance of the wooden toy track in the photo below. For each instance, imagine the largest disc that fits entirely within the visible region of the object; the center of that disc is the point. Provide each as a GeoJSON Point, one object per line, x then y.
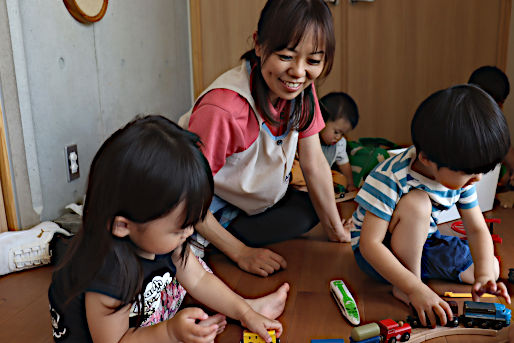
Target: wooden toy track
{"type": "Point", "coordinates": [423, 334]}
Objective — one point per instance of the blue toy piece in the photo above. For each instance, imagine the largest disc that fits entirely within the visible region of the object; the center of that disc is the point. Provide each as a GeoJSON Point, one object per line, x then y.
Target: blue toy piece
{"type": "Point", "coordinates": [375, 339]}
{"type": "Point", "coordinates": [485, 315]}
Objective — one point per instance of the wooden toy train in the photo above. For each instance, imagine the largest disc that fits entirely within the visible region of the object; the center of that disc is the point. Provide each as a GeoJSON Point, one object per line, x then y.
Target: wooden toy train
{"type": "Point", "coordinates": [480, 314]}
{"type": "Point", "coordinates": [386, 330]}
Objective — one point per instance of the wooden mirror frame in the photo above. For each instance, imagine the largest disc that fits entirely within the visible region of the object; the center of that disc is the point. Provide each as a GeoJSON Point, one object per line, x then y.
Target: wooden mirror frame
{"type": "Point", "coordinates": [80, 15]}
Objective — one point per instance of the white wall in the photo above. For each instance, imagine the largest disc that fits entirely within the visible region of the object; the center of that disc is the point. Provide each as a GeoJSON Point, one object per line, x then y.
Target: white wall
{"type": "Point", "coordinates": [64, 83]}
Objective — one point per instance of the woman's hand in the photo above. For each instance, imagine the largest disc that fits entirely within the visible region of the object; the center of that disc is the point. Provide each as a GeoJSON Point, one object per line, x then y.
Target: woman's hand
{"type": "Point", "coordinates": [488, 285]}
{"type": "Point", "coordinates": [183, 327]}
{"type": "Point", "coordinates": [260, 261]}
{"type": "Point", "coordinates": [340, 233]}
{"type": "Point", "coordinates": [260, 325]}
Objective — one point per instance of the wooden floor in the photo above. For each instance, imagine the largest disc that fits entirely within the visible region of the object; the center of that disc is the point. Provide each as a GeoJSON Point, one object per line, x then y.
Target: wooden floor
{"type": "Point", "coordinates": [310, 310]}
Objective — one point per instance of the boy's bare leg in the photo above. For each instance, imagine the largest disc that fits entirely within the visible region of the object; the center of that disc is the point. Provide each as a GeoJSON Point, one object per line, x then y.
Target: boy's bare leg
{"type": "Point", "coordinates": [409, 229]}
{"type": "Point", "coordinates": [468, 275]}
{"type": "Point", "coordinates": [271, 305]}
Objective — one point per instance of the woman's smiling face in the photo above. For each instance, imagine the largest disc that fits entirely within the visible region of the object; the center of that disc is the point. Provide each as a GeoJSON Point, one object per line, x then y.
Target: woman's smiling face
{"type": "Point", "coordinates": [289, 71]}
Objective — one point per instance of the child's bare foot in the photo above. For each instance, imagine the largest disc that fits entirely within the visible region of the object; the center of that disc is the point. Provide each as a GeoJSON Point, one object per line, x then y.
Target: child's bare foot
{"type": "Point", "coordinates": [401, 296]}
{"type": "Point", "coordinates": [271, 305]}
{"type": "Point", "coordinates": [218, 319]}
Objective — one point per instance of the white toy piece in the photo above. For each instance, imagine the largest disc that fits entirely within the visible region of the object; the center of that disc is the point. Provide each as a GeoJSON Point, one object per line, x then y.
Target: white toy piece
{"type": "Point", "coordinates": [27, 248]}
{"type": "Point", "coordinates": [345, 301]}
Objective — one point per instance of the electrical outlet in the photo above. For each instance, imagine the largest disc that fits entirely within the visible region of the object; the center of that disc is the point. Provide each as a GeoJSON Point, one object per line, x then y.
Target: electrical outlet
{"type": "Point", "coordinates": [72, 162]}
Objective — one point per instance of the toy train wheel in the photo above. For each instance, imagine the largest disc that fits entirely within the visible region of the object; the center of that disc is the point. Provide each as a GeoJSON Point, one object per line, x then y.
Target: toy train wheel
{"type": "Point", "coordinates": [406, 337]}
{"type": "Point", "coordinates": [485, 324]}
{"type": "Point", "coordinates": [392, 340]}
{"type": "Point", "coordinates": [454, 323]}
{"type": "Point", "coordinates": [497, 325]}
{"type": "Point", "coordinates": [468, 323]}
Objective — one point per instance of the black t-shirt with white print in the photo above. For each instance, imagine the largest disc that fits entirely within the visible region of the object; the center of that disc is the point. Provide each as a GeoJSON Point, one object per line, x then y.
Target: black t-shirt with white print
{"type": "Point", "coordinates": [69, 321]}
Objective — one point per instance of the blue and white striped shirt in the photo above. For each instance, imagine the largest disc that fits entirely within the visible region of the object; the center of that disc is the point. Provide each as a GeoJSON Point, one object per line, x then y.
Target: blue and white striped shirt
{"type": "Point", "coordinates": [393, 178]}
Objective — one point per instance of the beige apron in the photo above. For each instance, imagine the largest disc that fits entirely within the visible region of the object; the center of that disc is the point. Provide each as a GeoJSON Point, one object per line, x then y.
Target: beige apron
{"type": "Point", "coordinates": [257, 178]}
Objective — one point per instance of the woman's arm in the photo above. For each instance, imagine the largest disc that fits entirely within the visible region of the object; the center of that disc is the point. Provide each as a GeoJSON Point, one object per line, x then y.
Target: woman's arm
{"type": "Point", "coordinates": [253, 260]}
{"type": "Point", "coordinates": [317, 175]}
{"type": "Point", "coordinates": [107, 325]}
{"type": "Point", "coordinates": [482, 250]}
{"type": "Point", "coordinates": [212, 292]}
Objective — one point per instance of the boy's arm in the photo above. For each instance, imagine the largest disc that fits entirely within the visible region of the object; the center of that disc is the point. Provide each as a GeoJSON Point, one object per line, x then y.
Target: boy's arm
{"type": "Point", "coordinates": [424, 300]}
{"type": "Point", "coordinates": [346, 170]}
{"type": "Point", "coordinates": [482, 251]}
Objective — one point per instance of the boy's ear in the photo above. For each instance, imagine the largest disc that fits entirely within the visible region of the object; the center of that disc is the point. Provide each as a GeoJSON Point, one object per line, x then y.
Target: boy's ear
{"type": "Point", "coordinates": [120, 227]}
{"type": "Point", "coordinates": [422, 157]}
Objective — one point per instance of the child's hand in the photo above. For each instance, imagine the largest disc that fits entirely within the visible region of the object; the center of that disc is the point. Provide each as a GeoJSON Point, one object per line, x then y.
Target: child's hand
{"type": "Point", "coordinates": [218, 319]}
{"type": "Point", "coordinates": [260, 324]}
{"type": "Point", "coordinates": [427, 302]}
{"type": "Point", "coordinates": [183, 327]}
{"type": "Point", "coordinates": [260, 261]}
{"type": "Point", "coordinates": [486, 285]}
{"type": "Point", "coordinates": [351, 188]}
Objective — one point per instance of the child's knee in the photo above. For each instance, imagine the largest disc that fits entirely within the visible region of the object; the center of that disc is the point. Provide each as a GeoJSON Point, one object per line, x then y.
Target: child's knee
{"type": "Point", "coordinates": [413, 208]}
{"type": "Point", "coordinates": [415, 203]}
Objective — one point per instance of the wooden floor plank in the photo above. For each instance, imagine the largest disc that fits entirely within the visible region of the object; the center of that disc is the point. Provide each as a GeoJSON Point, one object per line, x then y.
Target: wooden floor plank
{"type": "Point", "coordinates": [309, 313]}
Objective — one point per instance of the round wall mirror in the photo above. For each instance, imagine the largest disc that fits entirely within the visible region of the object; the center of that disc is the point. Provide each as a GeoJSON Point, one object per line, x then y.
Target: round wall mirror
{"type": "Point", "coordinates": [86, 11]}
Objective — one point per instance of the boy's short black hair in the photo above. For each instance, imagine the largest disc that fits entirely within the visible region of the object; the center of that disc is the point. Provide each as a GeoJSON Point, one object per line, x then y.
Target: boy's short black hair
{"type": "Point", "coordinates": [493, 81]}
{"type": "Point", "coordinates": [461, 128]}
{"type": "Point", "coordinates": [338, 105]}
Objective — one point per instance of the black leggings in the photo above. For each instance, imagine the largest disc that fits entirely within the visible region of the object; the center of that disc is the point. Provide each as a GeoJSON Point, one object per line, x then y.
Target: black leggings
{"type": "Point", "coordinates": [291, 217]}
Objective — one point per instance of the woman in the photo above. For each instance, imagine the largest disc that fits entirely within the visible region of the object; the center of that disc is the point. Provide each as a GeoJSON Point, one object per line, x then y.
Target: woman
{"type": "Point", "coordinates": [251, 121]}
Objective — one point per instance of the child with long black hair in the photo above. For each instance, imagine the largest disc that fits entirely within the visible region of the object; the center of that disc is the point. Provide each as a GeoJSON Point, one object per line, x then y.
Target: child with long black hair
{"type": "Point", "coordinates": [148, 185]}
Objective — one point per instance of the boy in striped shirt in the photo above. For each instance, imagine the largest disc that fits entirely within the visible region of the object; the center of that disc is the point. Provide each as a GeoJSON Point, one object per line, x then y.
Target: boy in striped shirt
{"type": "Point", "coordinates": [458, 134]}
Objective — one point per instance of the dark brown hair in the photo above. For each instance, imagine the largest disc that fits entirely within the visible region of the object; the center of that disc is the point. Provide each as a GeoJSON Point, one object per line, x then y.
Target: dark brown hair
{"type": "Point", "coordinates": [461, 128]}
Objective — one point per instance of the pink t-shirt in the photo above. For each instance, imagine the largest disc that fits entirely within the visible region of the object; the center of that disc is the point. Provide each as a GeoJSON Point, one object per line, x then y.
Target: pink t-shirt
{"type": "Point", "coordinates": [226, 124]}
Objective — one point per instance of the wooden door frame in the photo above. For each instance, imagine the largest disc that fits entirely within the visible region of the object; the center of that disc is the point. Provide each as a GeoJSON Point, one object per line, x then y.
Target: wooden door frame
{"type": "Point", "coordinates": [503, 33]}
{"type": "Point", "coordinates": [8, 217]}
{"type": "Point", "coordinates": [196, 46]}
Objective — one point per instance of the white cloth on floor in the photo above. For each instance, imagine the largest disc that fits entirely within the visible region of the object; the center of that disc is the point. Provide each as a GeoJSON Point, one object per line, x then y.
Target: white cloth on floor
{"type": "Point", "coordinates": [27, 248]}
